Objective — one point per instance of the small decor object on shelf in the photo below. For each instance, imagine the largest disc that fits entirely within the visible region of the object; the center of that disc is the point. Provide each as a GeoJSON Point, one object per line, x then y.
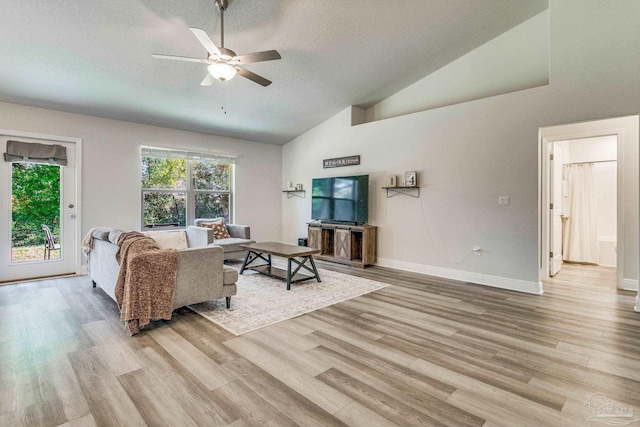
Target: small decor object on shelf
{"type": "Point", "coordinates": [298, 187]}
{"type": "Point", "coordinates": [410, 179]}
{"type": "Point", "coordinates": [290, 186]}
{"type": "Point", "coordinates": [392, 181]}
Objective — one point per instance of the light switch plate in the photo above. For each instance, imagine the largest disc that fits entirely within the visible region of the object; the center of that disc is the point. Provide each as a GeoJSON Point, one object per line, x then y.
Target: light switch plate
{"type": "Point", "coordinates": [504, 201]}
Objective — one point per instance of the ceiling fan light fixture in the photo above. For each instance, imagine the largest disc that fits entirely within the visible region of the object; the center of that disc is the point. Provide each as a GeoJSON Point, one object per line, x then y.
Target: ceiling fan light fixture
{"type": "Point", "coordinates": [222, 71]}
{"type": "Point", "coordinates": [223, 63]}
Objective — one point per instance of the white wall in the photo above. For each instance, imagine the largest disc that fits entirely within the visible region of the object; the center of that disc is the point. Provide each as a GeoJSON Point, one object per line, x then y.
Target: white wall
{"type": "Point", "coordinates": [468, 154]}
{"type": "Point", "coordinates": [515, 60]}
{"type": "Point", "coordinates": [111, 166]}
{"type": "Point", "coordinates": [606, 182]}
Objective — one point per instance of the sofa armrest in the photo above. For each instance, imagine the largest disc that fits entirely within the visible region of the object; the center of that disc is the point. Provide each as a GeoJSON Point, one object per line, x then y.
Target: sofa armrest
{"type": "Point", "coordinates": [198, 237]}
{"type": "Point", "coordinates": [239, 231]}
{"type": "Point", "coordinates": [200, 275]}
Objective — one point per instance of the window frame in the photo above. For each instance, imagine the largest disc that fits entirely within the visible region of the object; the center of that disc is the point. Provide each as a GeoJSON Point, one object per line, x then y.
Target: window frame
{"type": "Point", "coordinates": [189, 190]}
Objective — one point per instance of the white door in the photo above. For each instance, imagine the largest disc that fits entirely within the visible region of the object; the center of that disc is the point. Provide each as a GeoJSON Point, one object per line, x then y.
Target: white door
{"type": "Point", "coordinates": [30, 197]}
{"type": "Point", "coordinates": [555, 210]}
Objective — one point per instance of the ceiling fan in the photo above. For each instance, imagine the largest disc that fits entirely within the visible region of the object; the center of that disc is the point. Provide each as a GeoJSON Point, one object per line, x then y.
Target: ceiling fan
{"type": "Point", "coordinates": [224, 64]}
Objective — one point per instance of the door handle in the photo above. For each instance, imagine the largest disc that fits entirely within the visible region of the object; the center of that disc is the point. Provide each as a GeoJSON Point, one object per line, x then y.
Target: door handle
{"type": "Point", "coordinates": [71, 215]}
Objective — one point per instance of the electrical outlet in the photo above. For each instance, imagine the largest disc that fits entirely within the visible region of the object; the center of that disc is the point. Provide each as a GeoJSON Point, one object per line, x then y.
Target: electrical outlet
{"type": "Point", "coordinates": [504, 201]}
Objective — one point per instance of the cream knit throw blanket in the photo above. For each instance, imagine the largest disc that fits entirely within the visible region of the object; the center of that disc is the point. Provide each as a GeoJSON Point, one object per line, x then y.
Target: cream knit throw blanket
{"type": "Point", "coordinates": [87, 242]}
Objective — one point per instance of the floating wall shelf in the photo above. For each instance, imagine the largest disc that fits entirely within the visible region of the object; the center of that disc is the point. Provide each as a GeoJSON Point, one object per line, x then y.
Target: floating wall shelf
{"type": "Point", "coordinates": [409, 191]}
{"type": "Point", "coordinates": [295, 193]}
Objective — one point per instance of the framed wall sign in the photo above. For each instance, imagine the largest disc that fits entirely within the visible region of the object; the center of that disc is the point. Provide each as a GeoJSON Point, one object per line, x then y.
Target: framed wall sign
{"type": "Point", "coordinates": [410, 179]}
{"type": "Point", "coordinates": [341, 161]}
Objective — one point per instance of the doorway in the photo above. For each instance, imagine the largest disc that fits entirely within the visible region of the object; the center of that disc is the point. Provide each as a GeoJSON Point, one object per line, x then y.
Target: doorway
{"type": "Point", "coordinates": [583, 184]}
{"type": "Point", "coordinates": [609, 148]}
{"type": "Point", "coordinates": [39, 224]}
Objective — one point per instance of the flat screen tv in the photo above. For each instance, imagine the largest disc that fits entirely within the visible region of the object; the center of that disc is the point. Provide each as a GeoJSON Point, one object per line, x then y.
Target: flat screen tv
{"type": "Point", "coordinates": [343, 199]}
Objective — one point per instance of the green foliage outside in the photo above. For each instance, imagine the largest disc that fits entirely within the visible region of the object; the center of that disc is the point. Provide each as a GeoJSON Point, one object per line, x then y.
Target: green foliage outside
{"type": "Point", "coordinates": [164, 173]}
{"type": "Point", "coordinates": [212, 206]}
{"type": "Point", "coordinates": [165, 208]}
{"type": "Point", "coordinates": [216, 177]}
{"type": "Point", "coordinates": [211, 176]}
{"type": "Point", "coordinates": [170, 206]}
{"type": "Point", "coordinates": [35, 200]}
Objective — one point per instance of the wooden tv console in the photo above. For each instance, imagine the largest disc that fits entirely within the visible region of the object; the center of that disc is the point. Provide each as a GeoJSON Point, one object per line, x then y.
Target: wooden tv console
{"type": "Point", "coordinates": [353, 245]}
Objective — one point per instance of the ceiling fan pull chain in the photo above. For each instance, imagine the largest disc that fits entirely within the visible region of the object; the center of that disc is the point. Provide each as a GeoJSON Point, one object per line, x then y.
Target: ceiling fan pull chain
{"type": "Point", "coordinates": [224, 99]}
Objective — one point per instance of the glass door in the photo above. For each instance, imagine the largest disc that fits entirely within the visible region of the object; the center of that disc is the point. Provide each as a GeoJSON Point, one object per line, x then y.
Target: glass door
{"type": "Point", "coordinates": [37, 226]}
{"type": "Point", "coordinates": [35, 212]}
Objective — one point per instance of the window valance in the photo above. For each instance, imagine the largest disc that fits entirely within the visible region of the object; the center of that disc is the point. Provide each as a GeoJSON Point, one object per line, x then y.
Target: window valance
{"type": "Point", "coordinates": [190, 155]}
{"type": "Point", "coordinates": [33, 152]}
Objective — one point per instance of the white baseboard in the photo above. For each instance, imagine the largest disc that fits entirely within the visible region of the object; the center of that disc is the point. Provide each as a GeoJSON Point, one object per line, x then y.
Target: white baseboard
{"type": "Point", "coordinates": [466, 276]}
{"type": "Point", "coordinates": [630, 285]}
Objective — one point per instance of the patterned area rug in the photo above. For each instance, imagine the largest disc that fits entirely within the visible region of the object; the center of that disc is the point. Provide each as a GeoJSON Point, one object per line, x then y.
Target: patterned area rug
{"type": "Point", "coordinates": [262, 300]}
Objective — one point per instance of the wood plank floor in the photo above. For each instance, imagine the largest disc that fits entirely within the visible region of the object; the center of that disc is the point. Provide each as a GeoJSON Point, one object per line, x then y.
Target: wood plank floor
{"type": "Point", "coordinates": [425, 351]}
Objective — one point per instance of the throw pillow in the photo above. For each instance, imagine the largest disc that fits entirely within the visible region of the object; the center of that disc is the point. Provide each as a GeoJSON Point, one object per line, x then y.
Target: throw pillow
{"type": "Point", "coordinates": [169, 239]}
{"type": "Point", "coordinates": [219, 229]}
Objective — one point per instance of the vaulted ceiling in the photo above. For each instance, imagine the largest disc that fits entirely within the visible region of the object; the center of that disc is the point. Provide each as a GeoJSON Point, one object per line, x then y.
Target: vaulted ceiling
{"type": "Point", "coordinates": [94, 57]}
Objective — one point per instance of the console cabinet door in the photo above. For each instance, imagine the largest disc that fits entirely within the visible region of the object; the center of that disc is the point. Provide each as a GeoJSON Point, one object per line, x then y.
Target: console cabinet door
{"type": "Point", "coordinates": [369, 245]}
{"type": "Point", "coordinates": [315, 237]}
{"type": "Point", "coordinates": [343, 244]}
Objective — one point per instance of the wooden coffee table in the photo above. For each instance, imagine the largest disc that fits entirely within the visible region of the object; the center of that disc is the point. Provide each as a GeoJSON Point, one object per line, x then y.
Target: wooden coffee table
{"type": "Point", "coordinates": [257, 251]}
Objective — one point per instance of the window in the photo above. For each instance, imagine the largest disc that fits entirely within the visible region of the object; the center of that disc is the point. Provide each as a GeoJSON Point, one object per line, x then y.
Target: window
{"type": "Point", "coordinates": [178, 187]}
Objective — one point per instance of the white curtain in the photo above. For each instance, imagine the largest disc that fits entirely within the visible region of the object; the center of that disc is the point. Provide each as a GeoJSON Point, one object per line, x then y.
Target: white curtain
{"type": "Point", "coordinates": [580, 234]}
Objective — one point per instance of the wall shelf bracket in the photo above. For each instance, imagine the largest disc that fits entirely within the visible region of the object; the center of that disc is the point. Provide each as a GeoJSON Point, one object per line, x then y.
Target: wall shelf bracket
{"type": "Point", "coordinates": [295, 193]}
{"type": "Point", "coordinates": [409, 191]}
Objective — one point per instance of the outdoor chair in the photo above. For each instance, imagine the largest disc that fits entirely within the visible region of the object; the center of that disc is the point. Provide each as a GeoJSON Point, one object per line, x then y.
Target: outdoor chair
{"type": "Point", "coordinates": [49, 244]}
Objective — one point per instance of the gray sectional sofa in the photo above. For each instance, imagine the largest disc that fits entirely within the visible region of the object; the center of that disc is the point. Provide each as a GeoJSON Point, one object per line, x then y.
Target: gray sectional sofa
{"type": "Point", "coordinates": [202, 275]}
{"type": "Point", "coordinates": [240, 235]}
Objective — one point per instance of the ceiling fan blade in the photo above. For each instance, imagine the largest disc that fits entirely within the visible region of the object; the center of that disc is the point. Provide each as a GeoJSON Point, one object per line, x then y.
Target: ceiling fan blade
{"type": "Point", "coordinates": [253, 77]}
{"type": "Point", "coordinates": [208, 80]}
{"type": "Point", "coordinates": [267, 55]}
{"type": "Point", "coordinates": [206, 41]}
{"type": "Point", "coordinates": [179, 58]}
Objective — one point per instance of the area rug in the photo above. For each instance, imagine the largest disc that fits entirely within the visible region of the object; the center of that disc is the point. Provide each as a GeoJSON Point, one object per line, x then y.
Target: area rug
{"type": "Point", "coordinates": [262, 300]}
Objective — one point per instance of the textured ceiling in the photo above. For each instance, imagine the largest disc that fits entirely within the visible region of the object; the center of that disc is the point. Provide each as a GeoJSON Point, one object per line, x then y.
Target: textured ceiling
{"type": "Point", "coordinates": [94, 57]}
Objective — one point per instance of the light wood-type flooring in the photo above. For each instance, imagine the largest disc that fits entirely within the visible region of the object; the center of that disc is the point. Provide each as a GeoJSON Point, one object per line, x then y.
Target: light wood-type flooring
{"type": "Point", "coordinates": [425, 351]}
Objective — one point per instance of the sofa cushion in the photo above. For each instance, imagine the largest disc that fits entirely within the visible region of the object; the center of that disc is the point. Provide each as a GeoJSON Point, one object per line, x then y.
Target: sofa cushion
{"type": "Point", "coordinates": [229, 275]}
{"type": "Point", "coordinates": [114, 235]}
{"type": "Point", "coordinates": [219, 229]}
{"type": "Point", "coordinates": [198, 222]}
{"type": "Point", "coordinates": [232, 244]}
{"type": "Point", "coordinates": [169, 239]}
{"type": "Point", "coordinates": [101, 233]}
